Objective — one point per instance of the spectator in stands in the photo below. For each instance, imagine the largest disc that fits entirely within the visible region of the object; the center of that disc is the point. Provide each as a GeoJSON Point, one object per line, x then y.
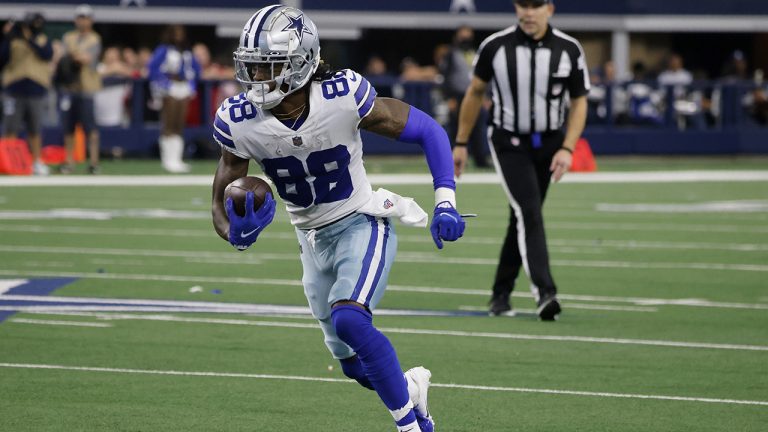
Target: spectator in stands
{"type": "Point", "coordinates": [131, 60]}
{"type": "Point", "coordinates": [688, 102]}
{"type": "Point", "coordinates": [145, 55]}
{"type": "Point", "coordinates": [25, 56]}
{"type": "Point", "coordinates": [211, 70]}
{"type": "Point", "coordinates": [604, 82]}
{"type": "Point", "coordinates": [736, 69]}
{"type": "Point", "coordinates": [220, 85]}
{"type": "Point", "coordinates": [51, 116]}
{"type": "Point", "coordinates": [411, 70]}
{"type": "Point", "coordinates": [173, 76]}
{"type": "Point", "coordinates": [643, 100]}
{"type": "Point", "coordinates": [82, 48]}
{"type": "Point", "coordinates": [754, 97]}
{"type": "Point", "coordinates": [110, 100]}
{"type": "Point", "coordinates": [376, 67]}
{"type": "Point", "coordinates": [112, 64]}
{"type": "Point", "coordinates": [675, 74]}
{"type": "Point", "coordinates": [456, 68]}
{"type": "Point", "coordinates": [760, 97]}
{"type": "Point", "coordinates": [377, 73]}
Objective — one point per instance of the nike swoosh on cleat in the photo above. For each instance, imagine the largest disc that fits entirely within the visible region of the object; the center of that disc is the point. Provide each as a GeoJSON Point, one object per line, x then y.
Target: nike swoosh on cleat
{"type": "Point", "coordinates": [246, 234]}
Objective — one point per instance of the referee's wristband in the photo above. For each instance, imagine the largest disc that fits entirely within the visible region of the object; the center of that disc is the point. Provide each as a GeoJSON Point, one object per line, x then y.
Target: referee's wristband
{"type": "Point", "coordinates": [566, 149]}
{"type": "Point", "coordinates": [459, 144]}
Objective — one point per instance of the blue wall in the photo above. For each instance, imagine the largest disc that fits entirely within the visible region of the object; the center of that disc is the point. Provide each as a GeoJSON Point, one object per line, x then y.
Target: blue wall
{"type": "Point", "coordinates": [614, 141]}
{"type": "Point", "coordinates": [734, 136]}
{"type": "Point", "coordinates": [697, 7]}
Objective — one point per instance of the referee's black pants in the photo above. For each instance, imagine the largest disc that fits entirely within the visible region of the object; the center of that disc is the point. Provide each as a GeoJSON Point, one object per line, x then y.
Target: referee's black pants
{"type": "Point", "coordinates": [526, 174]}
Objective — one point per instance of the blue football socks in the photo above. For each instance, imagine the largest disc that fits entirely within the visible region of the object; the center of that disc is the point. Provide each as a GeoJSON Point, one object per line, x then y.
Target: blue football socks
{"type": "Point", "coordinates": [378, 359]}
{"type": "Point", "coordinates": [352, 368]}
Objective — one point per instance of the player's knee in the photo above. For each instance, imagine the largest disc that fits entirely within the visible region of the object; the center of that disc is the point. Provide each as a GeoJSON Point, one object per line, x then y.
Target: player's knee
{"type": "Point", "coordinates": [353, 369]}
{"type": "Point", "coordinates": [352, 324]}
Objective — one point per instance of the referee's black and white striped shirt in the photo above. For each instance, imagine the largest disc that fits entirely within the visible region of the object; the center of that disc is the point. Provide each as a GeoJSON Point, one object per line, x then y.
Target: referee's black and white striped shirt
{"type": "Point", "coordinates": [531, 81]}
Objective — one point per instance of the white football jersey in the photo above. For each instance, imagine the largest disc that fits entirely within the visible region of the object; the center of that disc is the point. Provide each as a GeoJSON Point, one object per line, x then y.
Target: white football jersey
{"type": "Point", "coordinates": [317, 166]}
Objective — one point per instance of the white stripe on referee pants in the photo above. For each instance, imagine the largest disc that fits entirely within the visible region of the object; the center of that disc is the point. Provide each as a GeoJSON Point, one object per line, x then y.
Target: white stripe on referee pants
{"type": "Point", "coordinates": [519, 215]}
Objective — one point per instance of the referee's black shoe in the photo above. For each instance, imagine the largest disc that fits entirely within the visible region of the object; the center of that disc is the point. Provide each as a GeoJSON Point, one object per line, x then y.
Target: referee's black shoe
{"type": "Point", "coordinates": [499, 305]}
{"type": "Point", "coordinates": [549, 308]}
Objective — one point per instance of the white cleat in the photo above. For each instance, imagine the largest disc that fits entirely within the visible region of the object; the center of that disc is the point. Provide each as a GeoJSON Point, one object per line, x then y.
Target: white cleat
{"type": "Point", "coordinates": [418, 387]}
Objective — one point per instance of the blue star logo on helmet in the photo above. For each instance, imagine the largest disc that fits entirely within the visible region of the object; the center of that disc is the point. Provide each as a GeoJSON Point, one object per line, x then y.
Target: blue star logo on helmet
{"type": "Point", "coordinates": [297, 25]}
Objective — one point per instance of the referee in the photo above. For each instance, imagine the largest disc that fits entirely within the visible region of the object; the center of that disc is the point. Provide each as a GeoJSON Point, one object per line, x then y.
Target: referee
{"type": "Point", "coordinates": [536, 74]}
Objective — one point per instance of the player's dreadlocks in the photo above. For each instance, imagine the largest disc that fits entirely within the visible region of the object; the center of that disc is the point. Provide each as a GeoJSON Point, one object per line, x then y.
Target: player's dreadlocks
{"type": "Point", "coordinates": [324, 71]}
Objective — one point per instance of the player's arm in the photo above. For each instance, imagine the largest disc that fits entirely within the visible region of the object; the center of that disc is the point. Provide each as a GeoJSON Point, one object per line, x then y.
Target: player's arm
{"type": "Point", "coordinates": [230, 169]}
{"type": "Point", "coordinates": [395, 119]}
{"type": "Point", "coordinates": [470, 109]}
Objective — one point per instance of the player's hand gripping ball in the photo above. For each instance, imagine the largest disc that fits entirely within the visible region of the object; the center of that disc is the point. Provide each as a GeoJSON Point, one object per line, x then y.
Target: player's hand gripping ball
{"type": "Point", "coordinates": [238, 189]}
{"type": "Point", "coordinates": [250, 208]}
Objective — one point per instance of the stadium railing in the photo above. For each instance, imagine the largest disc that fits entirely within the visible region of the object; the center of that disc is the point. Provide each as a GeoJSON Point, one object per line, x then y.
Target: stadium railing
{"type": "Point", "coordinates": [707, 117]}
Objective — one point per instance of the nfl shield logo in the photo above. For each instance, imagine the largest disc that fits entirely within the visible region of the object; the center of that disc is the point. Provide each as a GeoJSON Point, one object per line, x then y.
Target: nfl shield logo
{"type": "Point", "coordinates": [297, 142]}
{"type": "Point", "coordinates": [388, 204]}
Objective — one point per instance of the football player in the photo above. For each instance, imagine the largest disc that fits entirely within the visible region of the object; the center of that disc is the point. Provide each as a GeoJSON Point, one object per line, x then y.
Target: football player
{"type": "Point", "coordinates": [300, 122]}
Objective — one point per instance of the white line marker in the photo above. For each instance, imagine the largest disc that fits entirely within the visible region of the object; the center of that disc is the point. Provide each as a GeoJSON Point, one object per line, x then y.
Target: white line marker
{"type": "Point", "coordinates": [640, 301]}
{"type": "Point", "coordinates": [746, 206]}
{"type": "Point", "coordinates": [164, 278]}
{"type": "Point", "coordinates": [406, 257]}
{"type": "Point", "coordinates": [619, 244]}
{"type": "Point", "coordinates": [59, 323]}
{"type": "Point", "coordinates": [457, 333]}
{"type": "Point", "coordinates": [586, 306]}
{"type": "Point", "coordinates": [346, 381]}
{"type": "Point", "coordinates": [656, 227]}
{"type": "Point", "coordinates": [601, 394]}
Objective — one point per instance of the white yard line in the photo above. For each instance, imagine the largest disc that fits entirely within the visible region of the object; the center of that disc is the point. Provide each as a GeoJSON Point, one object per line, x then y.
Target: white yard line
{"type": "Point", "coordinates": [494, 240]}
{"type": "Point", "coordinates": [346, 381]}
{"type": "Point", "coordinates": [689, 176]}
{"type": "Point", "coordinates": [640, 301]}
{"type": "Point", "coordinates": [452, 333]}
{"type": "Point", "coordinates": [655, 227]}
{"type": "Point", "coordinates": [405, 258]}
{"type": "Point", "coordinates": [586, 306]}
{"type": "Point", "coordinates": [59, 323]}
{"type": "Point", "coordinates": [157, 278]}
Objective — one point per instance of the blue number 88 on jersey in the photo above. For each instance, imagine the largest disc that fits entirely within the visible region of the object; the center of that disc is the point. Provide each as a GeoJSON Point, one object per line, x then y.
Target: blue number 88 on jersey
{"type": "Point", "coordinates": [329, 168]}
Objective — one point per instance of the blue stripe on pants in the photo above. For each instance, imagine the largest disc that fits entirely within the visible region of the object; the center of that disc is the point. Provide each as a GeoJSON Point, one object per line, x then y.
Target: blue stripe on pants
{"type": "Point", "coordinates": [367, 261]}
{"type": "Point", "coordinates": [382, 260]}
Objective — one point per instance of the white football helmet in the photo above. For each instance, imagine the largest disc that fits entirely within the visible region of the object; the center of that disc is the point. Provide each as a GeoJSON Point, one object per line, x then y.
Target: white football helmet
{"type": "Point", "coordinates": [279, 52]}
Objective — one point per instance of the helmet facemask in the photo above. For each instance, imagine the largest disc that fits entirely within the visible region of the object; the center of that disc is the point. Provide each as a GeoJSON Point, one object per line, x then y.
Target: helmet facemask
{"type": "Point", "coordinates": [282, 62]}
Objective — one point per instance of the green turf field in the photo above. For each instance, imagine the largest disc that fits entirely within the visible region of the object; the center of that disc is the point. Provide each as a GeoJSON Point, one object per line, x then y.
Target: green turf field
{"type": "Point", "coordinates": [664, 288]}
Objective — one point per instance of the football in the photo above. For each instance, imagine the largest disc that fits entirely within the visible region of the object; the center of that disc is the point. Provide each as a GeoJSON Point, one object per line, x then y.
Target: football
{"type": "Point", "coordinates": [238, 188]}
